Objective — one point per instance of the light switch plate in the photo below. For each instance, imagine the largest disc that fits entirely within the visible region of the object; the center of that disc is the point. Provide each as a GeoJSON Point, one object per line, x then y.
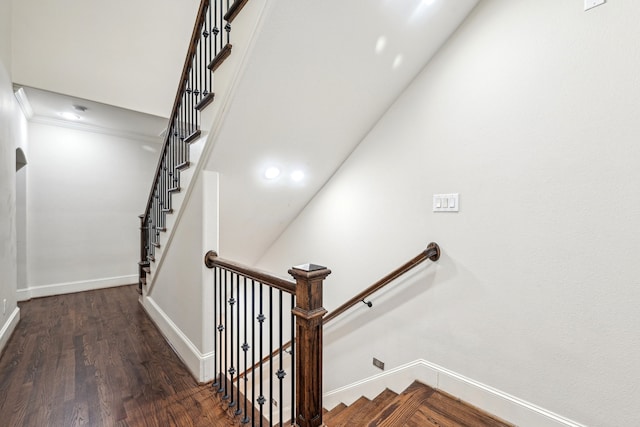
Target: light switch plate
{"type": "Point", "coordinates": [446, 202]}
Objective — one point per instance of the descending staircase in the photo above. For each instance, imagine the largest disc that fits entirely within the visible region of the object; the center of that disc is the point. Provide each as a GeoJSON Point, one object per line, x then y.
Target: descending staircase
{"type": "Point", "coordinates": [418, 406]}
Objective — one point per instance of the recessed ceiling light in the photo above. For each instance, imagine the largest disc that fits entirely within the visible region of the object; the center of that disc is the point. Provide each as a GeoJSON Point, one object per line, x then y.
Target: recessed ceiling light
{"type": "Point", "coordinates": [69, 116]}
{"type": "Point", "coordinates": [297, 176]}
{"type": "Point", "coordinates": [272, 172]}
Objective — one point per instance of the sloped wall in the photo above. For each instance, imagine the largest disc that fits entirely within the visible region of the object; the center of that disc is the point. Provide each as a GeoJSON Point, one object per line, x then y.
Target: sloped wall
{"type": "Point", "coordinates": [530, 113]}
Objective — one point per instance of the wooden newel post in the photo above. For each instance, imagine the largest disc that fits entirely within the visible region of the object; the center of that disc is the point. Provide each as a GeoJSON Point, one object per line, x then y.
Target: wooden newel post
{"type": "Point", "coordinates": [309, 313]}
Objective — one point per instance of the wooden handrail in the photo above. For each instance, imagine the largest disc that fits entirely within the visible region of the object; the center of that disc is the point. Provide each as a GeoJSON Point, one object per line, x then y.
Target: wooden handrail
{"type": "Point", "coordinates": [432, 252]}
{"type": "Point", "coordinates": [195, 36]}
{"type": "Point", "coordinates": [211, 259]}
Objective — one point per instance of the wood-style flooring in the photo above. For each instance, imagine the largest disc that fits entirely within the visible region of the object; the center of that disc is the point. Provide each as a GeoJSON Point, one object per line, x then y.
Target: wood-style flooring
{"type": "Point", "coordinates": [96, 359]}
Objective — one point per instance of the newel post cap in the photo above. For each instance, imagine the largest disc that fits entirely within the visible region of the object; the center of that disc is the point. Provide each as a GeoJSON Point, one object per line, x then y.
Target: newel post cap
{"type": "Point", "coordinates": [309, 279]}
{"type": "Point", "coordinates": [309, 271]}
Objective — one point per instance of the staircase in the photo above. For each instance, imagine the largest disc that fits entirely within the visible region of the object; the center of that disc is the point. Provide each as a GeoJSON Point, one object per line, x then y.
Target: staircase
{"type": "Point", "coordinates": [418, 406]}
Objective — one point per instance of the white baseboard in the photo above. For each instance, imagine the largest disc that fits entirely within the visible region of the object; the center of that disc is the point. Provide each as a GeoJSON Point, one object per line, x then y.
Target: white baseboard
{"type": "Point", "coordinates": [200, 365]}
{"type": "Point", "coordinates": [72, 287]}
{"type": "Point", "coordinates": [496, 402]}
{"type": "Point", "coordinates": [8, 327]}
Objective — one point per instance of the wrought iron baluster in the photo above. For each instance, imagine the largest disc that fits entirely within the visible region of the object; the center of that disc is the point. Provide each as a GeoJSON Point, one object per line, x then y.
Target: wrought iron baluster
{"type": "Point", "coordinates": [270, 350]}
{"type": "Point", "coordinates": [216, 353]}
{"type": "Point", "coordinates": [253, 348]}
{"type": "Point", "coordinates": [201, 64]}
{"type": "Point", "coordinates": [245, 349]}
{"type": "Point", "coordinates": [238, 346]}
{"type": "Point", "coordinates": [227, 27]}
{"type": "Point", "coordinates": [232, 347]}
{"type": "Point", "coordinates": [280, 374]}
{"type": "Point", "coordinates": [261, 319]}
{"type": "Point", "coordinates": [210, 58]}
{"type": "Point", "coordinates": [226, 346]}
{"type": "Point", "coordinates": [293, 358]}
{"type": "Point", "coordinates": [222, 350]}
{"type": "Point", "coordinates": [219, 27]}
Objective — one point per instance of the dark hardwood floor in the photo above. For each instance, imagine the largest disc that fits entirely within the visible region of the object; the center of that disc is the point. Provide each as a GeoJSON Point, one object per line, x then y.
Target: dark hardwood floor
{"type": "Point", "coordinates": [96, 359]}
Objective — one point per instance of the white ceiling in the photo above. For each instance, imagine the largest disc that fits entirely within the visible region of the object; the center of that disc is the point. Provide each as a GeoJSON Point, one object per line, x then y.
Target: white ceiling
{"type": "Point", "coordinates": [320, 76]}
{"type": "Point", "coordinates": [48, 107]}
{"type": "Point", "coordinates": [118, 52]}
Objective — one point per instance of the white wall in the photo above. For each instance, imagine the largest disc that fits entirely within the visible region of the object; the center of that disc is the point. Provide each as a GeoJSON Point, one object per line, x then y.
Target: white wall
{"type": "Point", "coordinates": [123, 53]}
{"type": "Point", "coordinates": [10, 138]}
{"type": "Point", "coordinates": [179, 293]}
{"type": "Point", "coordinates": [85, 191]}
{"type": "Point", "coordinates": [530, 112]}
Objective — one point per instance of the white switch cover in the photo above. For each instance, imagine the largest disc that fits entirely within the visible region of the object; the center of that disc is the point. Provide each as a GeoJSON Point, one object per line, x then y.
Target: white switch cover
{"type": "Point", "coordinates": [446, 202]}
{"type": "Point", "coordinates": [590, 4]}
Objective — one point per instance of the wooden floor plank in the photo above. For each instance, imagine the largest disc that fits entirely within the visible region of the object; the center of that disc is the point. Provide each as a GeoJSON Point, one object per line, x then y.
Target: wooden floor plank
{"type": "Point", "coordinates": [96, 359]}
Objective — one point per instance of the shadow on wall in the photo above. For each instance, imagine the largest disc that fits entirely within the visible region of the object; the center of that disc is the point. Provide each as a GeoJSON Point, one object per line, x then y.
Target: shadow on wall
{"type": "Point", "coordinates": [21, 159]}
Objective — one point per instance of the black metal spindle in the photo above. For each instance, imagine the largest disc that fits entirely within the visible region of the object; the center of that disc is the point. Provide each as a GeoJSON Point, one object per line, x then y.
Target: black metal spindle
{"type": "Point", "coordinates": [170, 176]}
{"type": "Point", "coordinates": [219, 24]}
{"type": "Point", "coordinates": [238, 347]}
{"type": "Point", "coordinates": [232, 346]}
{"type": "Point", "coordinates": [281, 373]}
{"type": "Point", "coordinates": [189, 116]}
{"type": "Point", "coordinates": [215, 335]}
{"type": "Point", "coordinates": [180, 128]}
{"type": "Point", "coordinates": [253, 348]}
{"type": "Point", "coordinates": [270, 349]}
{"type": "Point", "coordinates": [261, 319]}
{"type": "Point", "coordinates": [222, 350]}
{"type": "Point", "coordinates": [161, 196]}
{"type": "Point", "coordinates": [172, 160]}
{"type": "Point", "coordinates": [200, 68]}
{"type": "Point", "coordinates": [293, 359]}
{"type": "Point", "coordinates": [211, 41]}
{"type": "Point", "coordinates": [227, 27]}
{"type": "Point", "coordinates": [245, 349]}
{"type": "Point", "coordinates": [226, 347]}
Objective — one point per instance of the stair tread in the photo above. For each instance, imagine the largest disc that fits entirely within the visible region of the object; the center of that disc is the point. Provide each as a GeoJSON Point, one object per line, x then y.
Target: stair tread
{"type": "Point", "coordinates": [400, 410]}
{"type": "Point", "coordinates": [351, 414]}
{"type": "Point", "coordinates": [421, 419]}
{"type": "Point", "coordinates": [420, 405]}
{"type": "Point", "coordinates": [441, 407]}
{"type": "Point", "coordinates": [339, 407]}
{"type": "Point", "coordinates": [335, 411]}
{"type": "Point", "coordinates": [383, 399]}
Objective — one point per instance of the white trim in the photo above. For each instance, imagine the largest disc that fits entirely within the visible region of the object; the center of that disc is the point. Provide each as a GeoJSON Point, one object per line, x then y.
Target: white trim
{"type": "Point", "coordinates": [200, 365]}
{"type": "Point", "coordinates": [496, 402]}
{"type": "Point", "coordinates": [8, 328]}
{"type": "Point", "coordinates": [95, 129]}
{"type": "Point", "coordinates": [72, 287]}
{"type": "Point", "coordinates": [24, 103]}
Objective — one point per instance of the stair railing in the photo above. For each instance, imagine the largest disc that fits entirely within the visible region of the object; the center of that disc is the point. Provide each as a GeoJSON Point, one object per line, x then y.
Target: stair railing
{"type": "Point", "coordinates": [210, 45]}
{"type": "Point", "coordinates": [252, 319]}
{"type": "Point", "coordinates": [304, 339]}
{"type": "Point", "coordinates": [432, 252]}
